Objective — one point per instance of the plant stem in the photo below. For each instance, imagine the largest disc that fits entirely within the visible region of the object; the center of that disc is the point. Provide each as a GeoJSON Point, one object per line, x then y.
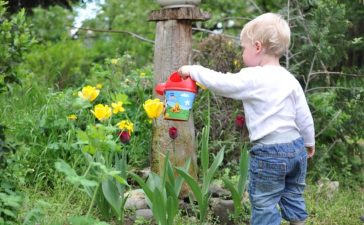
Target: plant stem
{"type": "Point", "coordinates": [93, 200]}
{"type": "Point", "coordinates": [174, 152]}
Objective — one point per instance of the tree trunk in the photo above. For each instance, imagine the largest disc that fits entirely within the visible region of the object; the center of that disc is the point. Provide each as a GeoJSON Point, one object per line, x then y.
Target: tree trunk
{"type": "Point", "coordinates": [173, 48]}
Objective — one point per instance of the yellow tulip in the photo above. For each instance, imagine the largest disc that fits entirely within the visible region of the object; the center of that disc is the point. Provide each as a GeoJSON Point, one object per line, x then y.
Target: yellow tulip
{"type": "Point", "coordinates": [98, 86]}
{"type": "Point", "coordinates": [117, 107]}
{"type": "Point", "coordinates": [72, 117]}
{"type": "Point", "coordinates": [126, 125]}
{"type": "Point", "coordinates": [89, 93]}
{"type": "Point", "coordinates": [153, 108]}
{"type": "Point", "coordinates": [102, 112]}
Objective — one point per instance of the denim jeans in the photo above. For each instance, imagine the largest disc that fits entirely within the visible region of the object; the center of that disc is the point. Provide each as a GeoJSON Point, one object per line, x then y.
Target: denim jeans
{"type": "Point", "coordinates": [277, 177]}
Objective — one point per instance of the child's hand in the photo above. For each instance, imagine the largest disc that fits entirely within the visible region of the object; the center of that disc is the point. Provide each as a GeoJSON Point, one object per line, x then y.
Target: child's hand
{"type": "Point", "coordinates": [310, 151]}
{"type": "Point", "coordinates": [184, 71]}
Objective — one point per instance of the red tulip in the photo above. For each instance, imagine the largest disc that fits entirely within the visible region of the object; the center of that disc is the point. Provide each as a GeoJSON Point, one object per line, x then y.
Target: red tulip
{"type": "Point", "coordinates": [239, 122]}
{"type": "Point", "coordinates": [124, 137]}
{"type": "Point", "coordinates": [173, 132]}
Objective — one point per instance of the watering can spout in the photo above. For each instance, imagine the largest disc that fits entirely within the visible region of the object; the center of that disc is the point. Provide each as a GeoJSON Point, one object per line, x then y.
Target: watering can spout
{"type": "Point", "coordinates": [160, 88]}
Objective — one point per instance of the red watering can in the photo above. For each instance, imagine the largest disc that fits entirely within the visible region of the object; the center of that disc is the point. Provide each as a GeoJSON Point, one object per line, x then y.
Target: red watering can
{"type": "Point", "coordinates": [179, 96]}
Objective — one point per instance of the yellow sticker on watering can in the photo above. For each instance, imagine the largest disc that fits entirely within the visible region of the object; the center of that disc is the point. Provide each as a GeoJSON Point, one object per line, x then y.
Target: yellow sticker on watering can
{"type": "Point", "coordinates": [178, 105]}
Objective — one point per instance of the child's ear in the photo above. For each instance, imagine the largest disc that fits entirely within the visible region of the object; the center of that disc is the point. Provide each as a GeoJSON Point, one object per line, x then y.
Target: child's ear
{"type": "Point", "coordinates": [258, 46]}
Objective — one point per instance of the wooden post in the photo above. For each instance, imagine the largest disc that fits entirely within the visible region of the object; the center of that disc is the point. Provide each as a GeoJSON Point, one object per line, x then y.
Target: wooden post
{"type": "Point", "coordinates": [173, 48]}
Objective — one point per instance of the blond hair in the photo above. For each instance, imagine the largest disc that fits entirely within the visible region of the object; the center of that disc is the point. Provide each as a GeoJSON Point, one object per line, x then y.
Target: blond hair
{"type": "Point", "coordinates": [271, 30]}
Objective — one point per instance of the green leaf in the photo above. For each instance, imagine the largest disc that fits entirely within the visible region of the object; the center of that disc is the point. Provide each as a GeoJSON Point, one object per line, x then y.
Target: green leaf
{"type": "Point", "coordinates": [204, 149]}
{"type": "Point", "coordinates": [243, 165]}
{"type": "Point", "coordinates": [63, 167]}
{"type": "Point", "coordinates": [203, 208]}
{"type": "Point", "coordinates": [89, 149]}
{"type": "Point", "coordinates": [72, 176]}
{"type": "Point", "coordinates": [9, 213]}
{"type": "Point", "coordinates": [82, 136]}
{"type": "Point", "coordinates": [171, 209]}
{"type": "Point", "coordinates": [80, 103]}
{"type": "Point", "coordinates": [170, 173]}
{"type": "Point", "coordinates": [142, 184]}
{"type": "Point", "coordinates": [120, 180]}
{"type": "Point", "coordinates": [166, 161]}
{"type": "Point", "coordinates": [192, 183]}
{"type": "Point", "coordinates": [86, 183]}
{"type": "Point", "coordinates": [210, 173]}
{"type": "Point", "coordinates": [235, 195]}
{"type": "Point", "coordinates": [122, 98]}
{"type": "Point", "coordinates": [112, 195]}
{"type": "Point", "coordinates": [161, 206]}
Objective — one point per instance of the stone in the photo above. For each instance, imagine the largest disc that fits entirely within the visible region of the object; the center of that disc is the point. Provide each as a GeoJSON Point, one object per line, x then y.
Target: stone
{"type": "Point", "coordinates": [136, 200]}
{"type": "Point", "coordinates": [223, 210]}
{"type": "Point", "coordinates": [217, 191]}
{"type": "Point", "coordinates": [146, 214]}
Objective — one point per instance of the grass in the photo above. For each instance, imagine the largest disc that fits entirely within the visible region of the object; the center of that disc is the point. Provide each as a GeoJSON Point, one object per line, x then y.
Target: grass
{"type": "Point", "coordinates": [344, 208]}
{"type": "Point", "coordinates": [51, 206]}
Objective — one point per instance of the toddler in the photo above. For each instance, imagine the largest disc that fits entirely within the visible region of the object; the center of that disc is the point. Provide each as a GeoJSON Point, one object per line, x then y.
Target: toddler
{"type": "Point", "coordinates": [277, 116]}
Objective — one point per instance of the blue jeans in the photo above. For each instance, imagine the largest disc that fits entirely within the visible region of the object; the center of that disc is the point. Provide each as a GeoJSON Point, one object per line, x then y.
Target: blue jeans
{"type": "Point", "coordinates": [277, 177]}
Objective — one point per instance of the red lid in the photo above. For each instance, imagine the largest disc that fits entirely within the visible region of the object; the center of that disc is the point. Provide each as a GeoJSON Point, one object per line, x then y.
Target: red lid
{"type": "Point", "coordinates": [175, 82]}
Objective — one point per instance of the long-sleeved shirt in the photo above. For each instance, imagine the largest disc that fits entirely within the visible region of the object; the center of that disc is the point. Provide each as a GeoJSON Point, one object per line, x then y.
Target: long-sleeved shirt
{"type": "Point", "coordinates": [273, 99]}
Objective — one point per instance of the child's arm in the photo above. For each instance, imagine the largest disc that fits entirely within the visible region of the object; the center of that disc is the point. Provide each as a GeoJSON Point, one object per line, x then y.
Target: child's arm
{"type": "Point", "coordinates": [304, 121]}
{"type": "Point", "coordinates": [236, 86]}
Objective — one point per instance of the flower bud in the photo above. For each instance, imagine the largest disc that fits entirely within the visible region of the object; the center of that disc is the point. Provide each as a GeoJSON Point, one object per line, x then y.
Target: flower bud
{"type": "Point", "coordinates": [239, 122]}
{"type": "Point", "coordinates": [173, 132]}
{"type": "Point", "coordinates": [124, 137]}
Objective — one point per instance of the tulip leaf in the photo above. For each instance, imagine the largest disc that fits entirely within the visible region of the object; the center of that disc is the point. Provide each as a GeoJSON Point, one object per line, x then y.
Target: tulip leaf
{"type": "Point", "coordinates": [192, 183]}
{"type": "Point", "coordinates": [111, 193]}
{"type": "Point", "coordinates": [144, 186]}
{"type": "Point", "coordinates": [171, 209]}
{"type": "Point", "coordinates": [204, 149]}
{"type": "Point", "coordinates": [234, 194]}
{"type": "Point", "coordinates": [211, 171]}
{"type": "Point", "coordinates": [164, 175]}
{"type": "Point", "coordinates": [203, 208]}
{"type": "Point", "coordinates": [160, 207]}
{"type": "Point", "coordinates": [244, 165]}
{"type": "Point", "coordinates": [179, 180]}
{"type": "Point", "coordinates": [170, 173]}
{"type": "Point", "coordinates": [172, 201]}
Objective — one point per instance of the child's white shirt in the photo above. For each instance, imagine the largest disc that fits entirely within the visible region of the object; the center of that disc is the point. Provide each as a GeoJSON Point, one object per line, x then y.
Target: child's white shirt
{"type": "Point", "coordinates": [273, 99]}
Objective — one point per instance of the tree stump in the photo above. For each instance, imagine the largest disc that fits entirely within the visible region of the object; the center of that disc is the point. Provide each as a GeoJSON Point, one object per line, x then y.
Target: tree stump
{"type": "Point", "coordinates": [173, 48]}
